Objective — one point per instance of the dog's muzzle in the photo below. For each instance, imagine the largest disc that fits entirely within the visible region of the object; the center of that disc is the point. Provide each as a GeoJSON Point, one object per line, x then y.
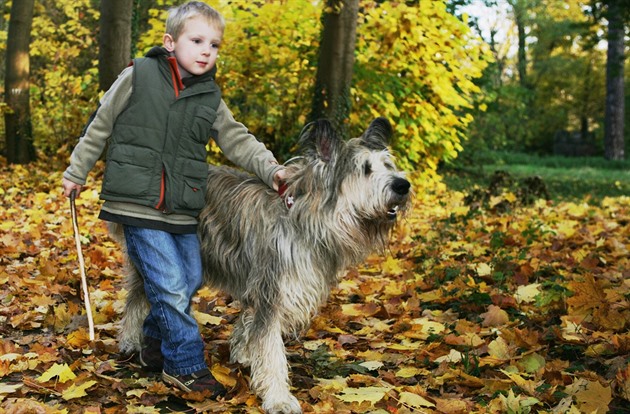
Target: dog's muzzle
{"type": "Point", "coordinates": [400, 187]}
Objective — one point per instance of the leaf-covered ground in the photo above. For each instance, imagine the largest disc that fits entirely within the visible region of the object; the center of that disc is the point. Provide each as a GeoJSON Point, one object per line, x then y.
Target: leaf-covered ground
{"type": "Point", "coordinates": [486, 307]}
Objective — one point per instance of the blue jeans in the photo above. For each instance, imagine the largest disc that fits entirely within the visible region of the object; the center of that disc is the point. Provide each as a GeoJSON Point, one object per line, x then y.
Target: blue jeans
{"type": "Point", "coordinates": [170, 265]}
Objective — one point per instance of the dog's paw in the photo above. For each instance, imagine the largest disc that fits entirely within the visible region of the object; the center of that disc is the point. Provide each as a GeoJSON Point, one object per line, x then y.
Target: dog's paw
{"type": "Point", "coordinates": [239, 356]}
{"type": "Point", "coordinates": [288, 405]}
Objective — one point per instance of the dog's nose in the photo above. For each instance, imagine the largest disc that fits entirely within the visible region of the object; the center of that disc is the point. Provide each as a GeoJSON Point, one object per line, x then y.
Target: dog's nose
{"type": "Point", "coordinates": [400, 186]}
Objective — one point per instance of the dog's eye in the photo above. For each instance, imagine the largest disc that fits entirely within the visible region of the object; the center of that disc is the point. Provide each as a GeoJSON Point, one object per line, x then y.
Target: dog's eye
{"type": "Point", "coordinates": [367, 168]}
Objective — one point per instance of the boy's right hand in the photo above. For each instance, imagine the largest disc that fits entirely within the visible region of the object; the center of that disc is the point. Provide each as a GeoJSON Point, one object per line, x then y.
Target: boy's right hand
{"type": "Point", "coordinates": [68, 186]}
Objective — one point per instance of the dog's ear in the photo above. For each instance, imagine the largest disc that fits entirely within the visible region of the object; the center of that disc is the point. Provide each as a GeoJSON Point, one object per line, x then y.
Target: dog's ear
{"type": "Point", "coordinates": [377, 136]}
{"type": "Point", "coordinates": [319, 140]}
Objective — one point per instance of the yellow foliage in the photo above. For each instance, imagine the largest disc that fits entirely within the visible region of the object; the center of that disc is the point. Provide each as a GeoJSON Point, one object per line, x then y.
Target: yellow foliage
{"type": "Point", "coordinates": [64, 71]}
{"type": "Point", "coordinates": [419, 73]}
{"type": "Point", "coordinates": [62, 372]}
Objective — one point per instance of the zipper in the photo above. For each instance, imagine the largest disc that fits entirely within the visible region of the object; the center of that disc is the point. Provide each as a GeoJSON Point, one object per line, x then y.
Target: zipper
{"type": "Point", "coordinates": [177, 86]}
{"type": "Point", "coordinates": [161, 205]}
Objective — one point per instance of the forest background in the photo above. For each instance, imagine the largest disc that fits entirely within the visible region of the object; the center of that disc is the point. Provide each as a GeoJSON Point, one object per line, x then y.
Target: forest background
{"type": "Point", "coordinates": [501, 297]}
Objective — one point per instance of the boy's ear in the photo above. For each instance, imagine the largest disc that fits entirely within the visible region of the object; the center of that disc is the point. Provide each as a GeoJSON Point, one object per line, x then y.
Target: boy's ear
{"type": "Point", "coordinates": [169, 43]}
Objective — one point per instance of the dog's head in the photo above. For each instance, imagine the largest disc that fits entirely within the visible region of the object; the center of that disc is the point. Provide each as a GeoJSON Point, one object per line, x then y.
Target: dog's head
{"type": "Point", "coordinates": [358, 177]}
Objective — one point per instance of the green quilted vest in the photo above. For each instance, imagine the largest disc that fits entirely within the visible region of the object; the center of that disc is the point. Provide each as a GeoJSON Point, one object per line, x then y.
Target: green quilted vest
{"type": "Point", "coordinates": [157, 152]}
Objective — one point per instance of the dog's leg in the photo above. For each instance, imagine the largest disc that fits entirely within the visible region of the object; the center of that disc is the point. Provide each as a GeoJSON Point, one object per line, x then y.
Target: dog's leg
{"type": "Point", "coordinates": [270, 370]}
{"type": "Point", "coordinates": [240, 338]}
{"type": "Point", "coordinates": [130, 336]}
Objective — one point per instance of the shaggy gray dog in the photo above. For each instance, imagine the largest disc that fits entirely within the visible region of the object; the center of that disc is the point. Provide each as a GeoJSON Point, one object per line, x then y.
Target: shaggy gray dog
{"type": "Point", "coordinates": [280, 257]}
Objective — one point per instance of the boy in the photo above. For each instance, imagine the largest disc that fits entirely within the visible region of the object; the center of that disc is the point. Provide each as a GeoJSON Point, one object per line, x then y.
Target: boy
{"type": "Point", "coordinates": [157, 118]}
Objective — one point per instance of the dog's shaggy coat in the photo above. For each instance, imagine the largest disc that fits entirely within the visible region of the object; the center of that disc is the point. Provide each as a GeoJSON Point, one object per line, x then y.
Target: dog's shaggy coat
{"type": "Point", "coordinates": [280, 257]}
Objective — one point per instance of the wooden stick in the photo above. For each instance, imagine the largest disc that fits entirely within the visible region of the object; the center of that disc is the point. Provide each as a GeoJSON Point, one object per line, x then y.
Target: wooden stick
{"type": "Point", "coordinates": [77, 240]}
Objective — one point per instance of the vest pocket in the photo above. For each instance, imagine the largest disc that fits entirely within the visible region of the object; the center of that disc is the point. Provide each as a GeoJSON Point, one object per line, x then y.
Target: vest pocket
{"type": "Point", "coordinates": [193, 186]}
{"type": "Point", "coordinates": [131, 171]}
{"type": "Point", "coordinates": [203, 121]}
{"type": "Point", "coordinates": [193, 196]}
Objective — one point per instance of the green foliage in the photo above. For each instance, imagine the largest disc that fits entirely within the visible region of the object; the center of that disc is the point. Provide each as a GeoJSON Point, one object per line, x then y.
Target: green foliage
{"type": "Point", "coordinates": [566, 178]}
{"type": "Point", "coordinates": [564, 88]}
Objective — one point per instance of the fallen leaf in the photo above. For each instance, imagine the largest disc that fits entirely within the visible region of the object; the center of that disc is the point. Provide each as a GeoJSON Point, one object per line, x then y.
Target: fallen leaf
{"type": "Point", "coordinates": [371, 394]}
{"type": "Point", "coordinates": [590, 396]}
{"type": "Point", "coordinates": [63, 372]}
{"type": "Point", "coordinates": [495, 316]}
{"type": "Point", "coordinates": [414, 400]}
{"type": "Point", "coordinates": [77, 391]}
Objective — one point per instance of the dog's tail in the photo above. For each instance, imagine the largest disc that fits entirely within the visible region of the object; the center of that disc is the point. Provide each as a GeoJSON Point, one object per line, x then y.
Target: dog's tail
{"type": "Point", "coordinates": [130, 336]}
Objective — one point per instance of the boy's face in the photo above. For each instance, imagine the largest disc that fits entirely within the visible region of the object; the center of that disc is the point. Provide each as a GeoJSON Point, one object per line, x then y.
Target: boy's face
{"type": "Point", "coordinates": [197, 47]}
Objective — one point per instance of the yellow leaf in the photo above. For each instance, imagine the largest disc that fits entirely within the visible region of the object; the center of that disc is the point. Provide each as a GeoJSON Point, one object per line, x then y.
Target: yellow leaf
{"type": "Point", "coordinates": [572, 328]}
{"type": "Point", "coordinates": [483, 269]}
{"type": "Point", "coordinates": [205, 319]}
{"type": "Point", "coordinates": [461, 210]}
{"type": "Point", "coordinates": [405, 346]}
{"type": "Point", "coordinates": [371, 394]}
{"type": "Point", "coordinates": [527, 294]}
{"type": "Point", "coordinates": [360, 309]}
{"type": "Point", "coordinates": [591, 396]}
{"type": "Point", "coordinates": [372, 365]}
{"type": "Point", "coordinates": [391, 266]}
{"type": "Point", "coordinates": [577, 210]}
{"type": "Point", "coordinates": [452, 356]}
{"type": "Point", "coordinates": [423, 328]}
{"type": "Point", "coordinates": [77, 391]}
{"type": "Point", "coordinates": [510, 197]}
{"type": "Point", "coordinates": [62, 371]}
{"type": "Point", "coordinates": [408, 372]}
{"type": "Point", "coordinates": [333, 385]}
{"type": "Point", "coordinates": [414, 400]}
{"type": "Point", "coordinates": [7, 225]}
{"type": "Point", "coordinates": [9, 388]}
{"type": "Point", "coordinates": [517, 404]}
{"type": "Point", "coordinates": [499, 349]}
{"type": "Point", "coordinates": [138, 392]}
{"type": "Point", "coordinates": [566, 227]}
{"type": "Point", "coordinates": [527, 385]}
{"type": "Point", "coordinates": [222, 374]}
{"type": "Point", "coordinates": [78, 338]}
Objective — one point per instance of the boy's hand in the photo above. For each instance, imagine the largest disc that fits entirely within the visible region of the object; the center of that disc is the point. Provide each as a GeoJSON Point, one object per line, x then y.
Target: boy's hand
{"type": "Point", "coordinates": [68, 186]}
{"type": "Point", "coordinates": [278, 178]}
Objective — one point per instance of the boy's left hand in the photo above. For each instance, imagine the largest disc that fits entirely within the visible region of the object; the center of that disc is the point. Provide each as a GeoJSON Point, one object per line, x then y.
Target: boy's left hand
{"type": "Point", "coordinates": [278, 178]}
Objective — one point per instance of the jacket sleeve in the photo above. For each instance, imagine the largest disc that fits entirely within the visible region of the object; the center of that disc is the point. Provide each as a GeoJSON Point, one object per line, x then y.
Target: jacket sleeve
{"type": "Point", "coordinates": [242, 148]}
{"type": "Point", "coordinates": [99, 128]}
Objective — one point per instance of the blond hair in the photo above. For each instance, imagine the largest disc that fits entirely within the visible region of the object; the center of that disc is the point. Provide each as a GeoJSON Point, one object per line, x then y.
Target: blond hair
{"type": "Point", "coordinates": [177, 17]}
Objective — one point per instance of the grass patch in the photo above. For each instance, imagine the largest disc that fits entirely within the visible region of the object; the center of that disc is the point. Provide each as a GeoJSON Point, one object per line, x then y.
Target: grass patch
{"type": "Point", "coordinates": [569, 179]}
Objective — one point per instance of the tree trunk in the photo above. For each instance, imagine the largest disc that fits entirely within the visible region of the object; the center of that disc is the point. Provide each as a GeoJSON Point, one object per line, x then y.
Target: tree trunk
{"type": "Point", "coordinates": [18, 128]}
{"type": "Point", "coordinates": [520, 8]}
{"type": "Point", "coordinates": [331, 99]}
{"type": "Point", "coordinates": [115, 40]}
{"type": "Point", "coordinates": [615, 105]}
